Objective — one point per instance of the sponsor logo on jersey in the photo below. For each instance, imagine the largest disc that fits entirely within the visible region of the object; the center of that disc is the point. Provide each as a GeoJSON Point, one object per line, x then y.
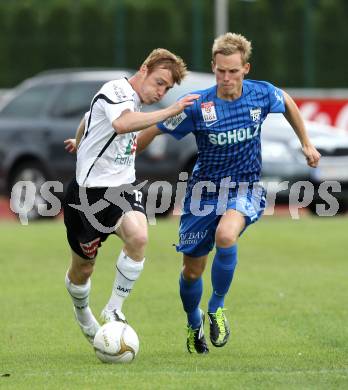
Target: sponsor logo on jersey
{"type": "Point", "coordinates": [210, 124]}
{"type": "Point", "coordinates": [208, 112]}
{"type": "Point", "coordinates": [132, 146]}
{"type": "Point", "coordinates": [121, 159]}
{"type": "Point", "coordinates": [231, 137]}
{"type": "Point", "coordinates": [174, 121]}
{"type": "Point", "coordinates": [255, 114]}
{"type": "Point", "coordinates": [128, 157]}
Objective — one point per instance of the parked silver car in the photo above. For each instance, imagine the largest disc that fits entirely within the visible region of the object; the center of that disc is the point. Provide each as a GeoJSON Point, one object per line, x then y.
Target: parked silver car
{"type": "Point", "coordinates": [283, 161]}
{"type": "Point", "coordinates": [282, 157]}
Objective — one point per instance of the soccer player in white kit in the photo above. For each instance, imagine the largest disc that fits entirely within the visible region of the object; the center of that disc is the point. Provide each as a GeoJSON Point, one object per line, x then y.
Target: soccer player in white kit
{"type": "Point", "coordinates": [105, 146]}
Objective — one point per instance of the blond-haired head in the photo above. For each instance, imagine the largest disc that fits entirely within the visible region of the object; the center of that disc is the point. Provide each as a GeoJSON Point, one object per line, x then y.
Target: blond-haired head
{"type": "Point", "coordinates": [231, 43]}
{"type": "Point", "coordinates": [163, 58]}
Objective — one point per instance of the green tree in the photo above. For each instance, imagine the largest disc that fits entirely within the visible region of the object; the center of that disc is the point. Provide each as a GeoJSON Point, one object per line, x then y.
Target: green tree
{"type": "Point", "coordinates": [93, 32]}
{"type": "Point", "coordinates": [57, 48]}
{"type": "Point", "coordinates": [23, 55]}
{"type": "Point", "coordinates": [4, 32]}
{"type": "Point", "coordinates": [331, 57]}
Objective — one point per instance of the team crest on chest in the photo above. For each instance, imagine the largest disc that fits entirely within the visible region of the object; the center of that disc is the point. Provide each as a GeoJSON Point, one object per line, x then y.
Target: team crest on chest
{"type": "Point", "coordinates": [255, 114]}
{"type": "Point", "coordinates": [208, 112]}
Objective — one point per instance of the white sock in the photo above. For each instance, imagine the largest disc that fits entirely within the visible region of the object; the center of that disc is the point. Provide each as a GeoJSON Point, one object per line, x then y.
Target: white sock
{"type": "Point", "coordinates": [127, 272]}
{"type": "Point", "coordinates": [80, 297]}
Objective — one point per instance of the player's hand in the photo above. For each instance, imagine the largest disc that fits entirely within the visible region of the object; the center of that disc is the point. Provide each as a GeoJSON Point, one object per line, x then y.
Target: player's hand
{"type": "Point", "coordinates": [70, 145]}
{"type": "Point", "coordinates": [181, 104]}
{"type": "Point", "coordinates": [312, 155]}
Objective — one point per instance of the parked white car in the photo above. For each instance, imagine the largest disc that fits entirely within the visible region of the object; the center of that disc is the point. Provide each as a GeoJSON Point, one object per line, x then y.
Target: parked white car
{"type": "Point", "coordinates": [283, 160]}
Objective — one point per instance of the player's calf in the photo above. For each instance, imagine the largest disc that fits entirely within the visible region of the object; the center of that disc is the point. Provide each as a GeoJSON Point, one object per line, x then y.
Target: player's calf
{"type": "Point", "coordinates": [83, 314]}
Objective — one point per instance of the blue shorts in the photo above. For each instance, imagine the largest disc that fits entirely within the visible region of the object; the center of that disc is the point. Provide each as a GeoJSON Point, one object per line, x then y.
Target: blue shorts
{"type": "Point", "coordinates": [200, 219]}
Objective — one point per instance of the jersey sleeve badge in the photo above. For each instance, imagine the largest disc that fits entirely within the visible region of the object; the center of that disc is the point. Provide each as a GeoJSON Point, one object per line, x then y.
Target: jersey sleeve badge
{"type": "Point", "coordinates": [208, 112]}
{"type": "Point", "coordinates": [174, 121]}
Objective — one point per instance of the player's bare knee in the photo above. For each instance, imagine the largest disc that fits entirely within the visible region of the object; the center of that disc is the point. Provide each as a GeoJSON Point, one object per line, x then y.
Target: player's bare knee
{"type": "Point", "coordinates": [138, 240]}
{"type": "Point", "coordinates": [192, 273]}
{"type": "Point", "coordinates": [225, 239]}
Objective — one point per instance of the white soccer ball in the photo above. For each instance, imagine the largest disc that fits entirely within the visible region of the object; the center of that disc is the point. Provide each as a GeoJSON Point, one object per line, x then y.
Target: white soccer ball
{"type": "Point", "coordinates": [116, 342]}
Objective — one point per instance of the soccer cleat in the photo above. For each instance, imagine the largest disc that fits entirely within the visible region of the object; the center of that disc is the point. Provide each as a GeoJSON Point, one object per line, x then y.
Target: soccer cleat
{"type": "Point", "coordinates": [90, 330]}
{"type": "Point", "coordinates": [219, 328]}
{"type": "Point", "coordinates": [196, 342]}
{"type": "Point", "coordinates": [112, 315]}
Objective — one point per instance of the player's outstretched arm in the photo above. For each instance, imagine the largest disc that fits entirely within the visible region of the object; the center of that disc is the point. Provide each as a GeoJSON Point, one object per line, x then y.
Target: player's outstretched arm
{"type": "Point", "coordinates": [293, 116]}
{"type": "Point", "coordinates": [134, 121]}
{"type": "Point", "coordinates": [146, 136]}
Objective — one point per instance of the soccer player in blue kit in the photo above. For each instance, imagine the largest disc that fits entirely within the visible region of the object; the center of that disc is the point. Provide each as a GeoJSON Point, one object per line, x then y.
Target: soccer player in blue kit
{"type": "Point", "coordinates": [226, 121]}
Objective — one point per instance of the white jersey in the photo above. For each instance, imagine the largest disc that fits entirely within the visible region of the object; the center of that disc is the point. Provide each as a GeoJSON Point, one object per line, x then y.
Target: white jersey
{"type": "Point", "coordinates": [105, 158]}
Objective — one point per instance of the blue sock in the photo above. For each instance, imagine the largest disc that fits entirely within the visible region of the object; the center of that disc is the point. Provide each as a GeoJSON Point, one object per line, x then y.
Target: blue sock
{"type": "Point", "coordinates": [222, 271]}
{"type": "Point", "coordinates": [191, 293]}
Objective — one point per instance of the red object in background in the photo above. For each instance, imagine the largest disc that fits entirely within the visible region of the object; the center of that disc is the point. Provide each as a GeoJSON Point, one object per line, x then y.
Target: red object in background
{"type": "Point", "coordinates": [5, 211]}
{"type": "Point", "coordinates": [331, 111]}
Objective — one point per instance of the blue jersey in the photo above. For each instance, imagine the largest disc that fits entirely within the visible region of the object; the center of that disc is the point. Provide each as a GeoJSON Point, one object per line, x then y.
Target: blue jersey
{"type": "Point", "coordinates": [227, 132]}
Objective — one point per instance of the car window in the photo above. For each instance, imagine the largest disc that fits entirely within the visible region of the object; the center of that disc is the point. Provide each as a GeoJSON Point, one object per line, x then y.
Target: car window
{"type": "Point", "coordinates": [29, 103]}
{"type": "Point", "coordinates": [75, 99]}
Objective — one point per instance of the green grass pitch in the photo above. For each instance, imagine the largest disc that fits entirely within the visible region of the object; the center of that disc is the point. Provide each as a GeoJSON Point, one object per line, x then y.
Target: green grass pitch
{"type": "Point", "coordinates": [287, 309]}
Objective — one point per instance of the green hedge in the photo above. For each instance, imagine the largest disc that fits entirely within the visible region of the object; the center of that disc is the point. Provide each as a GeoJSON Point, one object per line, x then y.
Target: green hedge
{"type": "Point", "coordinates": [36, 35]}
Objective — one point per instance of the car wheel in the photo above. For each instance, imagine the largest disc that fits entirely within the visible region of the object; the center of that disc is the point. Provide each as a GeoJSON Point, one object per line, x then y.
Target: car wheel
{"type": "Point", "coordinates": [31, 172]}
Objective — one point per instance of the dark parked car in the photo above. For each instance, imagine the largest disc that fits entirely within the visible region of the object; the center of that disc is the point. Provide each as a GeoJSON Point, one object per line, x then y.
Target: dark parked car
{"type": "Point", "coordinates": [43, 111]}
{"type": "Point", "coordinates": [40, 113]}
{"type": "Point", "coordinates": [35, 119]}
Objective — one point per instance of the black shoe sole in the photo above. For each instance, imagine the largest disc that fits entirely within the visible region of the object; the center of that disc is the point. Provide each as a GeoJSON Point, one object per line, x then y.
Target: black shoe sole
{"type": "Point", "coordinates": [218, 345]}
